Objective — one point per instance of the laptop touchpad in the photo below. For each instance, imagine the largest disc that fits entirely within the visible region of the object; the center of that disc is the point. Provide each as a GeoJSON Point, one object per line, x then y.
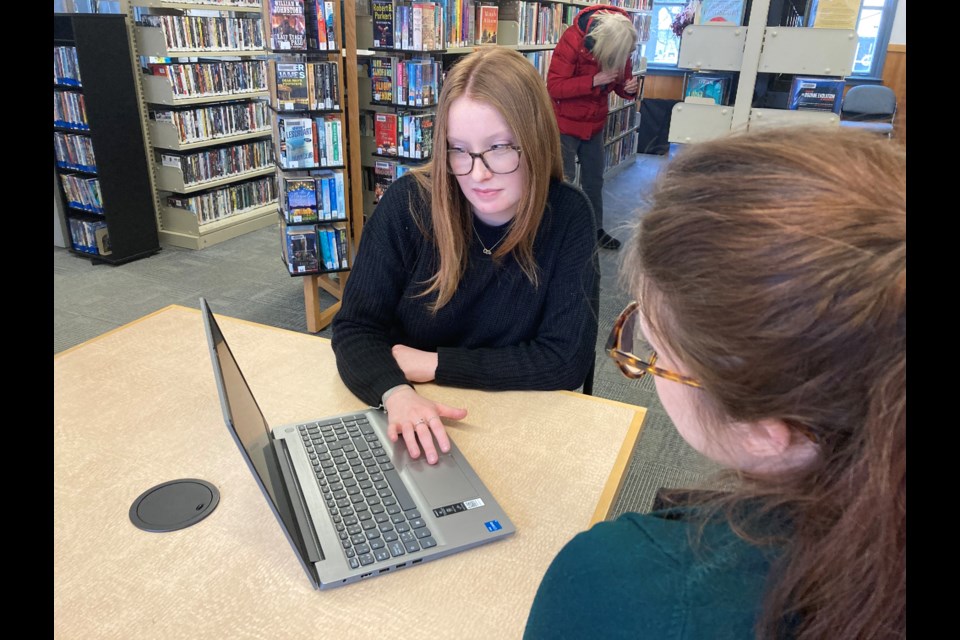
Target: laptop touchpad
{"type": "Point", "coordinates": [442, 483]}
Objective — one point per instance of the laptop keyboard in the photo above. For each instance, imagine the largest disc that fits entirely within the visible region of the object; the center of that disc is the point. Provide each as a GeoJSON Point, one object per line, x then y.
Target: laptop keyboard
{"type": "Point", "coordinates": [371, 508]}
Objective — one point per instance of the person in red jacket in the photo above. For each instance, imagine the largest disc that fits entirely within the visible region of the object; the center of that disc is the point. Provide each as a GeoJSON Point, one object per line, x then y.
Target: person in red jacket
{"type": "Point", "coordinates": [591, 60]}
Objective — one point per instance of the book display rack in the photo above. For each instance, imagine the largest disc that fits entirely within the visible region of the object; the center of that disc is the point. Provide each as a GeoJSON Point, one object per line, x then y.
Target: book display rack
{"type": "Point", "coordinates": [752, 49]}
{"type": "Point", "coordinates": [314, 114]}
{"type": "Point", "coordinates": [204, 81]}
{"type": "Point", "coordinates": [100, 163]}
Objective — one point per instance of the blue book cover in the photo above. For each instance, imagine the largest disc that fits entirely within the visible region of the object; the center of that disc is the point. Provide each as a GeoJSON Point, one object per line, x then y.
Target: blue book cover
{"type": "Point", "coordinates": [334, 202]}
{"type": "Point", "coordinates": [811, 93]}
{"type": "Point", "coordinates": [338, 177]}
{"type": "Point", "coordinates": [301, 192]}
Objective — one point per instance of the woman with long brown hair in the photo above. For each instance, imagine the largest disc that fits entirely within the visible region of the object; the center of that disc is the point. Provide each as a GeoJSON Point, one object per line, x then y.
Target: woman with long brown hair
{"type": "Point", "coordinates": [472, 271]}
{"type": "Point", "coordinates": [770, 272]}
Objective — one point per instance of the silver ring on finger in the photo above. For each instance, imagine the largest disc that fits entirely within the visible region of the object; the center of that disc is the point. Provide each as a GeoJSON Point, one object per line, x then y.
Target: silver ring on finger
{"type": "Point", "coordinates": [420, 421]}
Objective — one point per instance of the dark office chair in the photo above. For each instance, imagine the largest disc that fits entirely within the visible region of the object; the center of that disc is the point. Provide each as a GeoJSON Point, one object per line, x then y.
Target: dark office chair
{"type": "Point", "coordinates": [871, 107]}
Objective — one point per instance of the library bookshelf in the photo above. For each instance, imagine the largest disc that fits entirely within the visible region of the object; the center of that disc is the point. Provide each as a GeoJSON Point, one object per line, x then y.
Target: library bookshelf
{"type": "Point", "coordinates": [205, 95]}
{"type": "Point", "coordinates": [99, 154]}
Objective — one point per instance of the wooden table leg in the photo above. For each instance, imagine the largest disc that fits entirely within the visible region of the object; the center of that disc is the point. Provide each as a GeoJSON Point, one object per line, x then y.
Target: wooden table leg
{"type": "Point", "coordinates": [311, 301]}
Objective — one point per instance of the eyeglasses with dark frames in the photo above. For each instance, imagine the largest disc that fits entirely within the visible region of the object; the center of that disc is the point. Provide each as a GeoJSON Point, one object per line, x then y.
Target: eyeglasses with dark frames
{"type": "Point", "coordinates": [620, 347]}
{"type": "Point", "coordinates": [500, 159]}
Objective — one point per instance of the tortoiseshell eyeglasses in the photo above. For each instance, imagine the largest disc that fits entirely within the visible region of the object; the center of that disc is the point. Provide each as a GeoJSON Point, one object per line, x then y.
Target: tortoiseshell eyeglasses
{"type": "Point", "coordinates": [620, 345]}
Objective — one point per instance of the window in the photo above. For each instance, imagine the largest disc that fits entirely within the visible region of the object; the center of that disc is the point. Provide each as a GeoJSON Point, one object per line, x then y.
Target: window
{"type": "Point", "coordinates": [873, 27]}
{"type": "Point", "coordinates": [663, 46]}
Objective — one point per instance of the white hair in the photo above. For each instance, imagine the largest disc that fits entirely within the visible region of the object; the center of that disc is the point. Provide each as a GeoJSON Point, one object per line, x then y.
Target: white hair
{"type": "Point", "coordinates": [614, 38]}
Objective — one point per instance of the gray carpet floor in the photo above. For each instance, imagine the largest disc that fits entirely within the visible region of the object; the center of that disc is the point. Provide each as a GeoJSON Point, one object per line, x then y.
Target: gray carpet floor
{"type": "Point", "coordinates": [245, 278]}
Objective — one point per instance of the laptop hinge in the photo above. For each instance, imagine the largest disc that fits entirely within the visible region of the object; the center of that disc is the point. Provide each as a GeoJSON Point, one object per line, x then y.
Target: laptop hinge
{"type": "Point", "coordinates": [310, 542]}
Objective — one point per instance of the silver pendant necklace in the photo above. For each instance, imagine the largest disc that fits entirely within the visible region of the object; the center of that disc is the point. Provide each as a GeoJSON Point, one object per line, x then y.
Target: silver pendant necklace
{"type": "Point", "coordinates": [489, 251]}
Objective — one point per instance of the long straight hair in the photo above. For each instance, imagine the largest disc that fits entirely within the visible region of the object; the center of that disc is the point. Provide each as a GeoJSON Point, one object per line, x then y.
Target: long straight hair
{"type": "Point", "coordinates": [773, 265]}
{"type": "Point", "coordinates": [506, 81]}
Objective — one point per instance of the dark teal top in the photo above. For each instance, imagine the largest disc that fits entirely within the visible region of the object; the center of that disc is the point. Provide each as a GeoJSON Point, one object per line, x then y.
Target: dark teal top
{"type": "Point", "coordinates": [639, 577]}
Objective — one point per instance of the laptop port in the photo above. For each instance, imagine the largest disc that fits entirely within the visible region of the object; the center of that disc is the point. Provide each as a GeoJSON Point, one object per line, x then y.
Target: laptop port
{"type": "Point", "coordinates": [416, 561]}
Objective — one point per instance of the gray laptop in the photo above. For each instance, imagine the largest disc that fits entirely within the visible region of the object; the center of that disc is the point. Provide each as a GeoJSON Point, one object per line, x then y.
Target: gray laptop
{"type": "Point", "coordinates": [352, 504]}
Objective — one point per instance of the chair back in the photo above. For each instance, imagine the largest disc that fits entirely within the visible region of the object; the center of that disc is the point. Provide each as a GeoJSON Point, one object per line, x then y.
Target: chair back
{"type": "Point", "coordinates": [876, 102]}
{"type": "Point", "coordinates": [871, 107]}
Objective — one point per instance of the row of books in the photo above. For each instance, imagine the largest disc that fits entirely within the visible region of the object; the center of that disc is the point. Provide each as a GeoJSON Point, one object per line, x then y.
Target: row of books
{"type": "Point", "coordinates": [69, 110]}
{"type": "Point", "coordinates": [202, 79]}
{"type": "Point", "coordinates": [305, 86]}
{"type": "Point", "coordinates": [619, 150]}
{"type": "Point", "coordinates": [224, 202]}
{"type": "Point", "coordinates": [308, 143]}
{"type": "Point", "coordinates": [404, 135]}
{"type": "Point", "coordinates": [633, 5]}
{"type": "Point", "coordinates": [410, 26]}
{"type": "Point", "coordinates": [384, 174]}
{"type": "Point", "coordinates": [200, 124]}
{"type": "Point", "coordinates": [303, 25]}
{"type": "Point", "coordinates": [82, 193]}
{"type": "Point", "coordinates": [90, 236]}
{"type": "Point", "coordinates": [641, 21]}
{"type": "Point", "coordinates": [74, 152]}
{"type": "Point", "coordinates": [618, 123]}
{"type": "Point", "coordinates": [66, 69]}
{"type": "Point", "coordinates": [241, 32]}
{"type": "Point", "coordinates": [471, 22]}
{"type": "Point", "coordinates": [614, 101]}
{"type": "Point", "coordinates": [414, 83]}
{"type": "Point", "coordinates": [805, 93]}
{"type": "Point", "coordinates": [224, 3]}
{"type": "Point", "coordinates": [319, 197]}
{"type": "Point", "coordinates": [538, 22]}
{"type": "Point", "coordinates": [221, 162]}
{"type": "Point", "coordinates": [314, 248]}
{"type": "Point", "coordinates": [541, 61]}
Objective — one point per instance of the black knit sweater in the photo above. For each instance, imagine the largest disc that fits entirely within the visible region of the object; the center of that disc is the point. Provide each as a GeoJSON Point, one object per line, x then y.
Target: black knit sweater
{"type": "Point", "coordinates": [498, 332]}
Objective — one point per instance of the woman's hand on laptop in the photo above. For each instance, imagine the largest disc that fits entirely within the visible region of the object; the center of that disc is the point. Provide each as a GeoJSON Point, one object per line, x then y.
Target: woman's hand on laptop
{"type": "Point", "coordinates": [419, 419]}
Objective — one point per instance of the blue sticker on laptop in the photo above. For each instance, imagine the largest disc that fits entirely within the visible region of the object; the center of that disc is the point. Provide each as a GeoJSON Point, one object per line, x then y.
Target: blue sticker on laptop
{"type": "Point", "coordinates": [493, 525]}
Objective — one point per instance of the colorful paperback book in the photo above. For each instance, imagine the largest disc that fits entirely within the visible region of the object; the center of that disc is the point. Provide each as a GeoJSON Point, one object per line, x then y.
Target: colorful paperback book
{"type": "Point", "coordinates": [707, 88]}
{"type": "Point", "coordinates": [381, 79]}
{"type": "Point", "coordinates": [328, 10]}
{"type": "Point", "coordinates": [382, 23]}
{"type": "Point", "coordinates": [487, 16]}
{"type": "Point", "coordinates": [302, 253]}
{"type": "Point", "coordinates": [341, 194]}
{"type": "Point", "coordinates": [341, 240]}
{"type": "Point", "coordinates": [325, 246]}
{"type": "Point", "coordinates": [811, 93]}
{"type": "Point", "coordinates": [301, 192]}
{"type": "Point", "coordinates": [385, 133]}
{"type": "Point", "coordinates": [291, 86]}
{"type": "Point", "coordinates": [383, 176]}
{"type": "Point", "coordinates": [299, 139]}
{"type": "Point", "coordinates": [288, 26]}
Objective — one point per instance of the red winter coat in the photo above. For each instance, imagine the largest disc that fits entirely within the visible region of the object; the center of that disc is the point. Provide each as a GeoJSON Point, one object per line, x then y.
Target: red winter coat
{"type": "Point", "coordinates": [581, 108]}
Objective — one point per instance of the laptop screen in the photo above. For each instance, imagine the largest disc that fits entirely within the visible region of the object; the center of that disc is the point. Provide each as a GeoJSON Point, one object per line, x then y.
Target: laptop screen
{"type": "Point", "coordinates": [240, 409]}
{"type": "Point", "coordinates": [252, 434]}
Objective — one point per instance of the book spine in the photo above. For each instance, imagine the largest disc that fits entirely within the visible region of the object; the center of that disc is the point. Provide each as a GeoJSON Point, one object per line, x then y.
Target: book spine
{"type": "Point", "coordinates": [341, 196]}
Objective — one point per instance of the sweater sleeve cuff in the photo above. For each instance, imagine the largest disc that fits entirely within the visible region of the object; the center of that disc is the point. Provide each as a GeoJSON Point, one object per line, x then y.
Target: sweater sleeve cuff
{"type": "Point", "coordinates": [453, 370]}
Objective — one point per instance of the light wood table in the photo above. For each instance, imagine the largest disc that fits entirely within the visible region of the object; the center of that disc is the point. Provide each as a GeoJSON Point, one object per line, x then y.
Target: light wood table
{"type": "Point", "coordinates": [138, 406]}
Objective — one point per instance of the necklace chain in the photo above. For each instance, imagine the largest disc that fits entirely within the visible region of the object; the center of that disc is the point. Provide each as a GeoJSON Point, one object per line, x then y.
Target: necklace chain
{"type": "Point", "coordinates": [489, 251]}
